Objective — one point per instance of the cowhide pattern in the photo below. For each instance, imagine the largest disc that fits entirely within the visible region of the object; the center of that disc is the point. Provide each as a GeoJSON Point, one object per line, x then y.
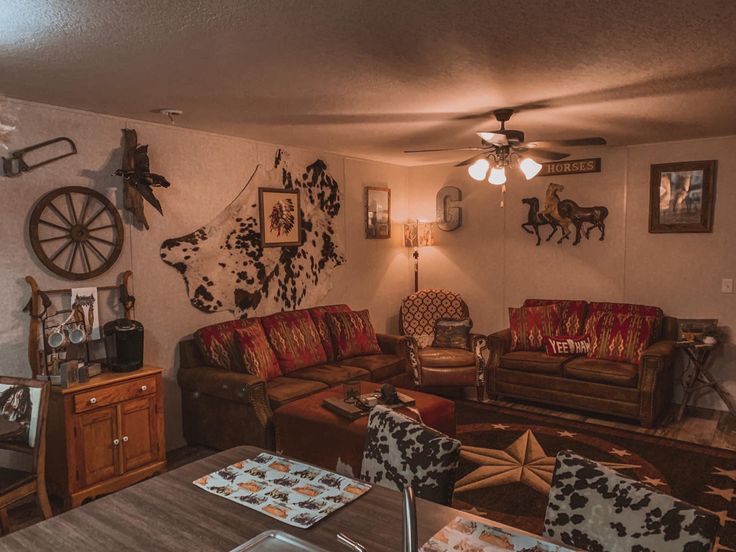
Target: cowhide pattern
{"type": "Point", "coordinates": [400, 451]}
{"type": "Point", "coordinates": [594, 508]}
{"type": "Point", "coordinates": [225, 266]}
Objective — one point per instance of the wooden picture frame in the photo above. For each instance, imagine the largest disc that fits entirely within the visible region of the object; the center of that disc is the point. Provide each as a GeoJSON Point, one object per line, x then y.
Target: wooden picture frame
{"type": "Point", "coordinates": [377, 213]}
{"type": "Point", "coordinates": [682, 197]}
{"type": "Point", "coordinates": [280, 217]}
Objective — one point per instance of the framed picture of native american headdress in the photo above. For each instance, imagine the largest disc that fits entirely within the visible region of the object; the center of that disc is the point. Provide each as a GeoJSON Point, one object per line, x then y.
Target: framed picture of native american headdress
{"type": "Point", "coordinates": [280, 214]}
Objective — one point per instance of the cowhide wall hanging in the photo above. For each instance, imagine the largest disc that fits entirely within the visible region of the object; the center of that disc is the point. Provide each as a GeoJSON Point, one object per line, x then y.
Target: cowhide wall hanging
{"type": "Point", "coordinates": [225, 266]}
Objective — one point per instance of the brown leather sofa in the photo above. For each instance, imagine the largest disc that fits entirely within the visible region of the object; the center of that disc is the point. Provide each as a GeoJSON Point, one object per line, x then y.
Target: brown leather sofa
{"type": "Point", "coordinates": [224, 408]}
{"type": "Point", "coordinates": [641, 392]}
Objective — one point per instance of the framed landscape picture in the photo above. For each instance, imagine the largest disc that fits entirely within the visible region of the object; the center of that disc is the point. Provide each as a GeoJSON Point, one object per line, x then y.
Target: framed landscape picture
{"type": "Point", "coordinates": [280, 217]}
{"type": "Point", "coordinates": [682, 197]}
{"type": "Point", "coordinates": [377, 213]}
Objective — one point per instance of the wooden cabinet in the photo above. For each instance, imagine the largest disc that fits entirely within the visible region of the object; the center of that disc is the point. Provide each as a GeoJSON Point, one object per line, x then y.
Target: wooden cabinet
{"type": "Point", "coordinates": [105, 435]}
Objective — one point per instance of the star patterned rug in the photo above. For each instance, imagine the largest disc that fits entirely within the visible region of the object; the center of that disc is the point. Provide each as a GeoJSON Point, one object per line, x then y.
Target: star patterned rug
{"type": "Point", "coordinates": [508, 457]}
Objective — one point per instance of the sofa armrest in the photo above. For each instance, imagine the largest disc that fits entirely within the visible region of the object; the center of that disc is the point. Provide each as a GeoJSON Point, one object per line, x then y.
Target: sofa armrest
{"type": "Point", "coordinates": [392, 344]}
{"type": "Point", "coordinates": [403, 346]}
{"type": "Point", "coordinates": [656, 381]}
{"type": "Point", "coordinates": [658, 355]}
{"type": "Point", "coordinates": [230, 386]}
{"type": "Point", "coordinates": [500, 342]}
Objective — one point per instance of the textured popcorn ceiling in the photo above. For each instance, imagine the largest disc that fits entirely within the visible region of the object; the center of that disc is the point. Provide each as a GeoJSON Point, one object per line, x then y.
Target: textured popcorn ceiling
{"type": "Point", "coordinates": [371, 78]}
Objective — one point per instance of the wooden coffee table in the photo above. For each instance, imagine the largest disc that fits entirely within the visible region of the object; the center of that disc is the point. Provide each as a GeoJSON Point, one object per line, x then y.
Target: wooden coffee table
{"type": "Point", "coordinates": [308, 431]}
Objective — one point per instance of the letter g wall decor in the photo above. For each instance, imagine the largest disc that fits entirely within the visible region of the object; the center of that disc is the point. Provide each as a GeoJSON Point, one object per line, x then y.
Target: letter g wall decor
{"type": "Point", "coordinates": [449, 214]}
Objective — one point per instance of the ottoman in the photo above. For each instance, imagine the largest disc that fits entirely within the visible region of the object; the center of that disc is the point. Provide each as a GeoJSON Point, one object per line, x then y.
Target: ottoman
{"type": "Point", "coordinates": [307, 431]}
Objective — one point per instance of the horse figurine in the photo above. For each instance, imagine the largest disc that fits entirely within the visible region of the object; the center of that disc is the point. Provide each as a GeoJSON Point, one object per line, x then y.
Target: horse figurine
{"type": "Point", "coordinates": [535, 219]}
{"type": "Point", "coordinates": [568, 211]}
{"type": "Point", "coordinates": [551, 211]}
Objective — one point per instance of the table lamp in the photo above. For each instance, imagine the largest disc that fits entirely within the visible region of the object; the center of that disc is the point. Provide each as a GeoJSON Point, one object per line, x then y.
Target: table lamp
{"type": "Point", "coordinates": [418, 234]}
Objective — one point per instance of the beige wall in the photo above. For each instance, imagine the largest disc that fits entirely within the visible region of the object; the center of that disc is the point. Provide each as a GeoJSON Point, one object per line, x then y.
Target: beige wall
{"type": "Point", "coordinates": [495, 264]}
{"type": "Point", "coordinates": [206, 172]}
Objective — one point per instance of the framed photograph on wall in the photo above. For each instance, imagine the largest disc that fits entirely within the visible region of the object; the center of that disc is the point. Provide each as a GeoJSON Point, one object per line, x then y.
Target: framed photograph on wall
{"type": "Point", "coordinates": [682, 197]}
{"type": "Point", "coordinates": [280, 217]}
{"type": "Point", "coordinates": [377, 213]}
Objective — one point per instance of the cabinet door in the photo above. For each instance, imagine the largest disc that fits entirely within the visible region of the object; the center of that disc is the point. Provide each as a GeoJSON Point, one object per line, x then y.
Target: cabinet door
{"type": "Point", "coordinates": [97, 445]}
{"type": "Point", "coordinates": [139, 432]}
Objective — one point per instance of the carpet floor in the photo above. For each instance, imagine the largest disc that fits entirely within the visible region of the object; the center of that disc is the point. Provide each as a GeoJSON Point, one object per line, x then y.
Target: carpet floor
{"type": "Point", "coordinates": [506, 466]}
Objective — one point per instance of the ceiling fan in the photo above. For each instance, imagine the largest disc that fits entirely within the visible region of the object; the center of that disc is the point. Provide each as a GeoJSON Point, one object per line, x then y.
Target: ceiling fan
{"type": "Point", "coordinates": [504, 148]}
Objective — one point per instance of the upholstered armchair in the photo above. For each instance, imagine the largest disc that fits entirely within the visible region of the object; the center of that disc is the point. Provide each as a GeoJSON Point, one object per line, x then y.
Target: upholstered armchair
{"type": "Point", "coordinates": [435, 365]}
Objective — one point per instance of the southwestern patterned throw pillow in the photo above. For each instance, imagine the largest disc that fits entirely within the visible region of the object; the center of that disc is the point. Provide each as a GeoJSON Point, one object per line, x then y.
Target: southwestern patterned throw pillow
{"type": "Point", "coordinates": [572, 313]}
{"type": "Point", "coordinates": [619, 336]}
{"type": "Point", "coordinates": [295, 340]}
{"type": "Point", "coordinates": [452, 334]}
{"type": "Point", "coordinates": [567, 345]}
{"type": "Point", "coordinates": [258, 357]}
{"type": "Point", "coordinates": [217, 344]}
{"type": "Point", "coordinates": [352, 334]}
{"type": "Point", "coordinates": [319, 315]}
{"type": "Point", "coordinates": [530, 325]}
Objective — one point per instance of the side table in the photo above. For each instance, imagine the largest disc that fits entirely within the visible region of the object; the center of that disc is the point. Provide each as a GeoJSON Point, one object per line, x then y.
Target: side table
{"type": "Point", "coordinates": [696, 374]}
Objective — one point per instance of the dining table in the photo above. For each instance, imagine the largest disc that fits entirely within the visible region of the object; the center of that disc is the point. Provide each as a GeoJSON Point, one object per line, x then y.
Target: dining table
{"type": "Point", "coordinates": [170, 513]}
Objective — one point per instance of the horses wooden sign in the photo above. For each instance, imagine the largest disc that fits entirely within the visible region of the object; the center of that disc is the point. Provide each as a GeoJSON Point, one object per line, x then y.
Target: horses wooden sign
{"type": "Point", "coordinates": [560, 214]}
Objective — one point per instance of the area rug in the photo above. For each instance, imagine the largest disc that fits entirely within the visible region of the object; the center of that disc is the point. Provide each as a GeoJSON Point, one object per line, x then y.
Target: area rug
{"type": "Point", "coordinates": [508, 459]}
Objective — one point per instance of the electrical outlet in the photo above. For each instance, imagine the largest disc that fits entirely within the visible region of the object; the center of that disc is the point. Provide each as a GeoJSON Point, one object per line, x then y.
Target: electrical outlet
{"type": "Point", "coordinates": [727, 285]}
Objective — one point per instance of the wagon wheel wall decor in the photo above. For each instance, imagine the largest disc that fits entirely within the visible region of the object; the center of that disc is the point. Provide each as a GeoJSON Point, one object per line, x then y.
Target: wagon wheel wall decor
{"type": "Point", "coordinates": [76, 232]}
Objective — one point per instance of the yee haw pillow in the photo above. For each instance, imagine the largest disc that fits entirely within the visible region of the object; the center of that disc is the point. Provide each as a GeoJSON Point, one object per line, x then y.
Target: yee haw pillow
{"type": "Point", "coordinates": [258, 357]}
{"type": "Point", "coordinates": [352, 334]}
{"type": "Point", "coordinates": [530, 325]}
{"type": "Point", "coordinates": [567, 345]}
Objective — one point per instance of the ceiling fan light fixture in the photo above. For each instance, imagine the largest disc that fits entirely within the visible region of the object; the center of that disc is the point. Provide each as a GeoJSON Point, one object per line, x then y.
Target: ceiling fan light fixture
{"type": "Point", "coordinates": [497, 176]}
{"type": "Point", "coordinates": [479, 169]}
{"type": "Point", "coordinates": [530, 167]}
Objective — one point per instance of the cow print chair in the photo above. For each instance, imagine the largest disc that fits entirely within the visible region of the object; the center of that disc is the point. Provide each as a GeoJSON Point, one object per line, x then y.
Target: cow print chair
{"type": "Point", "coordinates": [400, 451]}
{"type": "Point", "coordinates": [594, 508]}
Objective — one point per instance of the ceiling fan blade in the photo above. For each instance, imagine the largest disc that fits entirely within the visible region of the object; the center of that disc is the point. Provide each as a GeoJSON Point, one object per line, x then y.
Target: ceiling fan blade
{"type": "Point", "coordinates": [496, 138]}
{"type": "Point", "coordinates": [445, 149]}
{"type": "Point", "coordinates": [543, 154]}
{"type": "Point", "coordinates": [470, 160]}
{"type": "Point", "coordinates": [592, 141]}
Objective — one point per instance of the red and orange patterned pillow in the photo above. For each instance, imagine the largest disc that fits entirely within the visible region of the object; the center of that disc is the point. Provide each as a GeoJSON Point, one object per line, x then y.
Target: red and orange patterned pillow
{"type": "Point", "coordinates": [318, 315]}
{"type": "Point", "coordinates": [294, 339]}
{"type": "Point", "coordinates": [530, 325]}
{"type": "Point", "coordinates": [257, 356]}
{"type": "Point", "coordinates": [217, 344]}
{"type": "Point", "coordinates": [620, 336]}
{"type": "Point", "coordinates": [572, 313]}
{"type": "Point", "coordinates": [352, 334]}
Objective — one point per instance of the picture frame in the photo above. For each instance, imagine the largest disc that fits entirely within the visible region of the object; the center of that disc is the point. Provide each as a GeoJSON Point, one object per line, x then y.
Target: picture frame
{"type": "Point", "coordinates": [377, 213]}
{"type": "Point", "coordinates": [682, 197]}
{"type": "Point", "coordinates": [280, 217]}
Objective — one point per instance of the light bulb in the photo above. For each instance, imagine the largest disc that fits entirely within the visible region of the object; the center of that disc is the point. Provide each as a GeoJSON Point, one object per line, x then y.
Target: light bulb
{"type": "Point", "coordinates": [530, 167]}
{"type": "Point", "coordinates": [498, 176]}
{"type": "Point", "coordinates": [479, 169]}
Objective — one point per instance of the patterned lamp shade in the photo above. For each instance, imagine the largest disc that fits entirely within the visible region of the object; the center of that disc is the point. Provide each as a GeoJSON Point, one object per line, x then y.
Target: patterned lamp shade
{"type": "Point", "coordinates": [418, 234]}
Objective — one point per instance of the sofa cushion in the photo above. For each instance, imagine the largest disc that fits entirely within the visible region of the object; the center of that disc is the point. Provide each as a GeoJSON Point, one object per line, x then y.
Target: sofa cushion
{"type": "Point", "coordinates": [572, 313]}
{"type": "Point", "coordinates": [318, 315]}
{"type": "Point", "coordinates": [453, 334]}
{"type": "Point", "coordinates": [283, 390]}
{"type": "Point", "coordinates": [439, 357]}
{"type": "Point", "coordinates": [352, 334]}
{"type": "Point", "coordinates": [529, 326]}
{"type": "Point", "coordinates": [538, 362]}
{"type": "Point", "coordinates": [217, 344]}
{"type": "Point", "coordinates": [294, 339]}
{"type": "Point", "coordinates": [381, 367]}
{"type": "Point", "coordinates": [257, 357]}
{"type": "Point", "coordinates": [594, 370]}
{"type": "Point", "coordinates": [332, 374]}
{"type": "Point", "coordinates": [618, 336]}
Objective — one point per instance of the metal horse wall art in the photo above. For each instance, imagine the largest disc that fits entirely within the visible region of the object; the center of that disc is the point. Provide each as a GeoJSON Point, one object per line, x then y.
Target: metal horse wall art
{"type": "Point", "coordinates": [561, 213]}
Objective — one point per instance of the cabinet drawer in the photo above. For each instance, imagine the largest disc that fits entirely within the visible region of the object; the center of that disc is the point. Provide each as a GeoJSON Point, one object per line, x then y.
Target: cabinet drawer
{"type": "Point", "coordinates": [114, 394]}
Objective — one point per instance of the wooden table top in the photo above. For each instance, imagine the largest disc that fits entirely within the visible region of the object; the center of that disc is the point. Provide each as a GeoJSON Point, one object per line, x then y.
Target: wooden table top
{"type": "Point", "coordinates": [168, 513]}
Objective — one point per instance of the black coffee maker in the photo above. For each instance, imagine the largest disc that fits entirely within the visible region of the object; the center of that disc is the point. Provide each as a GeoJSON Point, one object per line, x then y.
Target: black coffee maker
{"type": "Point", "coordinates": [124, 344]}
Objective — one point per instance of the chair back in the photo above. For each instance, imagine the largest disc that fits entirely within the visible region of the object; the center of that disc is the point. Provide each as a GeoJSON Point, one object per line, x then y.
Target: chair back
{"type": "Point", "coordinates": [593, 507]}
{"type": "Point", "coordinates": [23, 409]}
{"type": "Point", "coordinates": [421, 310]}
{"type": "Point", "coordinates": [401, 452]}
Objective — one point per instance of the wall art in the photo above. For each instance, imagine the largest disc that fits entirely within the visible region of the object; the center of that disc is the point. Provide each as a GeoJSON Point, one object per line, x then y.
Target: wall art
{"type": "Point", "coordinates": [449, 213]}
{"type": "Point", "coordinates": [572, 166]}
{"type": "Point", "coordinates": [225, 265]}
{"type": "Point", "coordinates": [16, 163]}
{"type": "Point", "coordinates": [560, 214]}
{"type": "Point", "coordinates": [280, 217]}
{"type": "Point", "coordinates": [377, 213]}
{"type": "Point", "coordinates": [85, 310]}
{"type": "Point", "coordinates": [682, 197]}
